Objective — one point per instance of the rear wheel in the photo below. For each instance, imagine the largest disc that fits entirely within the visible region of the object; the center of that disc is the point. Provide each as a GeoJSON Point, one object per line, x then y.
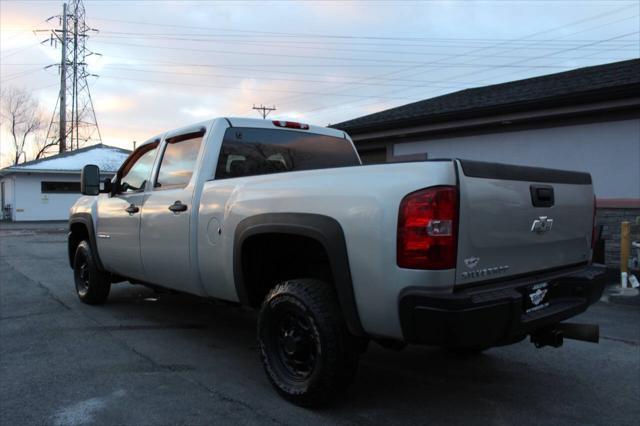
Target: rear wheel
{"type": "Point", "coordinates": [306, 350]}
{"type": "Point", "coordinates": [92, 285]}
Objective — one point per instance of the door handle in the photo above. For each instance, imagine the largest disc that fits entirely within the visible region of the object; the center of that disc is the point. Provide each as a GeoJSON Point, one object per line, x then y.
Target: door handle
{"type": "Point", "coordinates": [178, 207]}
{"type": "Point", "coordinates": [132, 209]}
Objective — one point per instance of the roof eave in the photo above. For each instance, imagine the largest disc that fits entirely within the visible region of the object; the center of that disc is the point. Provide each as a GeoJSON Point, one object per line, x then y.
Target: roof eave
{"type": "Point", "coordinates": [620, 92]}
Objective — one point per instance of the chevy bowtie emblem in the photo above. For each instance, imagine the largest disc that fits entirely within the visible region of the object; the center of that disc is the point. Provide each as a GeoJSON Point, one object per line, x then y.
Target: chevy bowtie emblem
{"type": "Point", "coordinates": [471, 262]}
{"type": "Point", "coordinates": [542, 225]}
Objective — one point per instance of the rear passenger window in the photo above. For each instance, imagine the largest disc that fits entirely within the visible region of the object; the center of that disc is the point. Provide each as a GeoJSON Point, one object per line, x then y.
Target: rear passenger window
{"type": "Point", "coordinates": [251, 151]}
{"type": "Point", "coordinates": [178, 161]}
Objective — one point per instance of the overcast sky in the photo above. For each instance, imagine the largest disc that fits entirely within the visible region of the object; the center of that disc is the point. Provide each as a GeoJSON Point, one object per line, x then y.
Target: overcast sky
{"type": "Point", "coordinates": [169, 63]}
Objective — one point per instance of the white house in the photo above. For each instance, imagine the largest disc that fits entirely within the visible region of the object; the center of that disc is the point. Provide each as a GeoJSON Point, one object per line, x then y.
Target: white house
{"type": "Point", "coordinates": [45, 189]}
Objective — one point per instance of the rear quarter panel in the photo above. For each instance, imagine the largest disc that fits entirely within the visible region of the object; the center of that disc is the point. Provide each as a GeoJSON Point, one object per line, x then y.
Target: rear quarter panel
{"type": "Point", "coordinates": [364, 200]}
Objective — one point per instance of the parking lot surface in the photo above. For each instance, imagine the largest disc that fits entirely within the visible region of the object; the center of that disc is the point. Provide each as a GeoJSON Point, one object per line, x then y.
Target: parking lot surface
{"type": "Point", "coordinates": [146, 358]}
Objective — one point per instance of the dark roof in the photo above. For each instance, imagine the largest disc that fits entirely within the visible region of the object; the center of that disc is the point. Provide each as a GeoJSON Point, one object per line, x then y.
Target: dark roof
{"type": "Point", "coordinates": [589, 84]}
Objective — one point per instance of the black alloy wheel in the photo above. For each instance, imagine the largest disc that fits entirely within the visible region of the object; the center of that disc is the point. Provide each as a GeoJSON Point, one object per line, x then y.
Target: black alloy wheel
{"type": "Point", "coordinates": [306, 349]}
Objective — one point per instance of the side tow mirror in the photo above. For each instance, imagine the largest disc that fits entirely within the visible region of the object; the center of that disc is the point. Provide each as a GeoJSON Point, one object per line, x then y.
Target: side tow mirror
{"type": "Point", "coordinates": [90, 180]}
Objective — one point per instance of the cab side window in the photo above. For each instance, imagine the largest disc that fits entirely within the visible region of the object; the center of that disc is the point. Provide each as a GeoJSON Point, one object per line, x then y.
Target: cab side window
{"type": "Point", "coordinates": [137, 170]}
{"type": "Point", "coordinates": [178, 161]}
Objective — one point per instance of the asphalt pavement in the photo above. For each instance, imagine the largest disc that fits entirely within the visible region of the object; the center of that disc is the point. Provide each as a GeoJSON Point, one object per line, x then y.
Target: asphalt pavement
{"type": "Point", "coordinates": [156, 359]}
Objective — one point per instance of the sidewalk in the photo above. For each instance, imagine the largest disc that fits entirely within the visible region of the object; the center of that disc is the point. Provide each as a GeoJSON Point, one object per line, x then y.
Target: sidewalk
{"type": "Point", "coordinates": [58, 226]}
{"type": "Point", "coordinates": [622, 296]}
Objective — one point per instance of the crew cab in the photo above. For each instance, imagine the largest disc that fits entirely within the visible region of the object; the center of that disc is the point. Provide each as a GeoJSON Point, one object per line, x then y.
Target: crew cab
{"type": "Point", "coordinates": [282, 216]}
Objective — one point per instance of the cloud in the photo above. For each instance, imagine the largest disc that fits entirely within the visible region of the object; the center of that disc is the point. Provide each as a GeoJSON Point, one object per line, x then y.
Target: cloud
{"type": "Point", "coordinates": [114, 103]}
{"type": "Point", "coordinates": [298, 56]}
{"type": "Point", "coordinates": [200, 112]}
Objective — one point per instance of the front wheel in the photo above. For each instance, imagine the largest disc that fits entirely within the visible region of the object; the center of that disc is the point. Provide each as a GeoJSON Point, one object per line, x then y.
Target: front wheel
{"type": "Point", "coordinates": [306, 349]}
{"type": "Point", "coordinates": [92, 285]}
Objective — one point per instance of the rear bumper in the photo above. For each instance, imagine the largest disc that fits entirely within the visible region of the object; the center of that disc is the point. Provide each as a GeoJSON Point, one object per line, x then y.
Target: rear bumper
{"type": "Point", "coordinates": [495, 315]}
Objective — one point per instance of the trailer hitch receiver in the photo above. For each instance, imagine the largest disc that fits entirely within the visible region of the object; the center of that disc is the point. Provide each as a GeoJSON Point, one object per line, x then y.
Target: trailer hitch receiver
{"type": "Point", "coordinates": [555, 334]}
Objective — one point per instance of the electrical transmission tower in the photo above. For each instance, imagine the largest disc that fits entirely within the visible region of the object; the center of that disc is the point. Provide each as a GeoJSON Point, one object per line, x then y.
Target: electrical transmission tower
{"type": "Point", "coordinates": [74, 122]}
{"type": "Point", "coordinates": [264, 111]}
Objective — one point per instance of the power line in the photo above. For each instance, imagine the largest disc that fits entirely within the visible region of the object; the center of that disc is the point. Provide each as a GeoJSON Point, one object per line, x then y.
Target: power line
{"type": "Point", "coordinates": [154, 69]}
{"type": "Point", "coordinates": [477, 81]}
{"type": "Point", "coordinates": [588, 44]}
{"type": "Point", "coordinates": [349, 50]}
{"type": "Point", "coordinates": [390, 62]}
{"type": "Point", "coordinates": [497, 45]}
{"type": "Point", "coordinates": [290, 80]}
{"type": "Point", "coordinates": [213, 86]}
{"type": "Point", "coordinates": [364, 97]}
{"type": "Point", "coordinates": [297, 34]}
{"type": "Point", "coordinates": [314, 66]}
{"type": "Point", "coordinates": [19, 50]}
{"type": "Point", "coordinates": [294, 38]}
{"type": "Point", "coordinates": [16, 75]}
{"type": "Point", "coordinates": [352, 83]}
{"type": "Point", "coordinates": [350, 43]}
{"type": "Point", "coordinates": [517, 63]}
{"type": "Point", "coordinates": [285, 55]}
{"type": "Point", "coordinates": [529, 44]}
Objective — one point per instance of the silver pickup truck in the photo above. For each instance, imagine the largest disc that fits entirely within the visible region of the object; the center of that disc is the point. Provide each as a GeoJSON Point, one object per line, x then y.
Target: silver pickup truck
{"type": "Point", "coordinates": [283, 217]}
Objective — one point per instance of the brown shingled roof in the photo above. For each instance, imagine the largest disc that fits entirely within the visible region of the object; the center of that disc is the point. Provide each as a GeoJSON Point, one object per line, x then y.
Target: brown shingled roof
{"type": "Point", "coordinates": [589, 84]}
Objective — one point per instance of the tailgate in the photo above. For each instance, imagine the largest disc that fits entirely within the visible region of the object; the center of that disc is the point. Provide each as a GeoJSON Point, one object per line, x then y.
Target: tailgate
{"type": "Point", "coordinates": [516, 220]}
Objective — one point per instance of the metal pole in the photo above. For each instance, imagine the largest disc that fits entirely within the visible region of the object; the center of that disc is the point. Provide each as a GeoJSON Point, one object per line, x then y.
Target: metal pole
{"type": "Point", "coordinates": [76, 117]}
{"type": "Point", "coordinates": [63, 83]}
{"type": "Point", "coordinates": [625, 247]}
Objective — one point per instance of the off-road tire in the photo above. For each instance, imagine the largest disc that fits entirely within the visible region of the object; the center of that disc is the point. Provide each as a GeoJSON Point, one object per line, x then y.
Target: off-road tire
{"type": "Point", "coordinates": [92, 285]}
{"type": "Point", "coordinates": [314, 361]}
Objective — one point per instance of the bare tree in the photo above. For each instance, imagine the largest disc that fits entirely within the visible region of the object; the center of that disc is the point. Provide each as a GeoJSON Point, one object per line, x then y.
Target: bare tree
{"type": "Point", "coordinates": [39, 148]}
{"type": "Point", "coordinates": [42, 146]}
{"type": "Point", "coordinates": [22, 118]}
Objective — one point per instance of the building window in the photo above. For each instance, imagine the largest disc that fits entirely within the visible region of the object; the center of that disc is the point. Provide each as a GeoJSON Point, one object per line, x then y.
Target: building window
{"type": "Point", "coordinates": [60, 187]}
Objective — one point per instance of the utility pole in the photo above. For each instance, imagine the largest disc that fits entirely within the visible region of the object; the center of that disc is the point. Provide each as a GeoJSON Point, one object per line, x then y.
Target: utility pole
{"type": "Point", "coordinates": [74, 107]}
{"type": "Point", "coordinates": [74, 118]}
{"type": "Point", "coordinates": [264, 111]}
{"type": "Point", "coordinates": [63, 83]}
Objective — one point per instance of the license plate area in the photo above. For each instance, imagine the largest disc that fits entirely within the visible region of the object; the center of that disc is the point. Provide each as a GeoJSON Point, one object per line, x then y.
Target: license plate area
{"type": "Point", "coordinates": [536, 297]}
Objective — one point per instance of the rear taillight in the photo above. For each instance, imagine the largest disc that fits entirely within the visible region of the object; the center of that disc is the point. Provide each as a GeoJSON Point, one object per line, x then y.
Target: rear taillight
{"type": "Point", "coordinates": [291, 125]}
{"type": "Point", "coordinates": [427, 229]}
